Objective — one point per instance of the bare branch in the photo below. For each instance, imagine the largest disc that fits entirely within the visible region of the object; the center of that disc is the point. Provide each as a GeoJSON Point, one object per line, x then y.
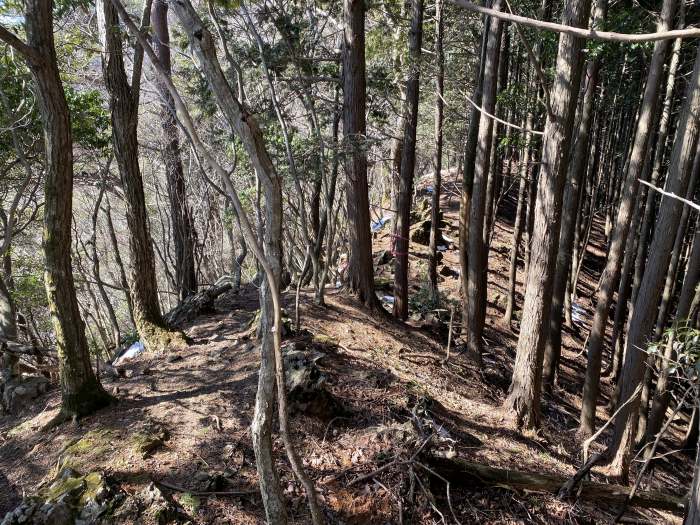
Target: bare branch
{"type": "Point", "coordinates": [690, 203]}
{"type": "Point", "coordinates": [590, 34]}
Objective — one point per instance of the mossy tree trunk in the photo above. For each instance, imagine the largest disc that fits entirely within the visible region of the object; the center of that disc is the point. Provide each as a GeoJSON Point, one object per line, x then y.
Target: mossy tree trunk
{"type": "Point", "coordinates": [123, 104]}
{"type": "Point", "coordinates": [81, 391]}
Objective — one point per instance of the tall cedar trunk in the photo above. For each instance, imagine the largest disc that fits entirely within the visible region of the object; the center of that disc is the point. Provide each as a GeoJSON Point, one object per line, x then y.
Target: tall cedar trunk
{"type": "Point", "coordinates": [677, 252]}
{"type": "Point", "coordinates": [468, 171]}
{"type": "Point", "coordinates": [477, 262]}
{"type": "Point", "coordinates": [662, 395]}
{"type": "Point", "coordinates": [650, 290]}
{"type": "Point", "coordinates": [81, 391]}
{"type": "Point", "coordinates": [360, 279]}
{"type": "Point", "coordinates": [437, 160]}
{"type": "Point", "coordinates": [123, 103]}
{"type": "Point", "coordinates": [180, 214]}
{"type": "Point", "coordinates": [611, 273]}
{"type": "Point", "coordinates": [577, 169]}
{"type": "Point", "coordinates": [408, 163]}
{"type": "Point", "coordinates": [495, 166]}
{"type": "Point", "coordinates": [661, 316]}
{"type": "Point", "coordinates": [525, 389]}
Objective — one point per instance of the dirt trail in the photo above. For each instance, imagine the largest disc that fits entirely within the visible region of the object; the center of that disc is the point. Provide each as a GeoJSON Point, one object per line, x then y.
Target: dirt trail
{"type": "Point", "coordinates": [377, 370]}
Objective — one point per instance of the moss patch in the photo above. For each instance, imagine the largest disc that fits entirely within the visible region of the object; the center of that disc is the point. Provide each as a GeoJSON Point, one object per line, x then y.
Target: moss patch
{"type": "Point", "coordinates": [190, 502]}
{"type": "Point", "coordinates": [87, 449]}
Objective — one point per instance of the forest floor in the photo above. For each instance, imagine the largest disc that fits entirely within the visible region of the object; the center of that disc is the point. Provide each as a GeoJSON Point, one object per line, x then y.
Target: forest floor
{"type": "Point", "coordinates": [384, 376]}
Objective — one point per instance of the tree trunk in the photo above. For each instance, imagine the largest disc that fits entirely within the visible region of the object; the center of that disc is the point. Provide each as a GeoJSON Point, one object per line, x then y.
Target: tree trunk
{"type": "Point", "coordinates": [118, 259]}
{"type": "Point", "coordinates": [408, 163]}
{"type": "Point", "coordinates": [81, 391]}
{"type": "Point", "coordinates": [360, 279]}
{"type": "Point", "coordinates": [123, 102]}
{"type": "Point", "coordinates": [524, 394]}
{"type": "Point", "coordinates": [611, 273]}
{"type": "Point", "coordinates": [662, 396]}
{"type": "Point", "coordinates": [437, 159]}
{"type": "Point", "coordinates": [477, 260]}
{"type": "Point", "coordinates": [577, 168]}
{"type": "Point", "coordinates": [651, 287]}
{"type": "Point", "coordinates": [519, 219]}
{"type": "Point", "coordinates": [468, 171]}
{"type": "Point", "coordinates": [180, 214]}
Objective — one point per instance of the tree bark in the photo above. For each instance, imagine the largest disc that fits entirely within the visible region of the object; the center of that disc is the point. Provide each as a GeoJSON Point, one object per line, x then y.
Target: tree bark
{"type": "Point", "coordinates": [577, 169]}
{"type": "Point", "coordinates": [477, 261]}
{"type": "Point", "coordinates": [437, 159]}
{"type": "Point", "coordinates": [81, 391]}
{"type": "Point", "coordinates": [611, 273]}
{"type": "Point", "coordinates": [180, 215]}
{"type": "Point", "coordinates": [360, 278]}
{"type": "Point", "coordinates": [408, 163]}
{"type": "Point", "coordinates": [650, 290]}
{"type": "Point", "coordinates": [525, 389]}
{"type": "Point", "coordinates": [662, 395]}
{"type": "Point", "coordinates": [123, 103]}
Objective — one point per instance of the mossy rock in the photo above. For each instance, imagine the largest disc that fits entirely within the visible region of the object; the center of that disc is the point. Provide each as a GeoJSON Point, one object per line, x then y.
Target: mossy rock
{"type": "Point", "coordinates": [325, 341]}
{"type": "Point", "coordinates": [147, 441]}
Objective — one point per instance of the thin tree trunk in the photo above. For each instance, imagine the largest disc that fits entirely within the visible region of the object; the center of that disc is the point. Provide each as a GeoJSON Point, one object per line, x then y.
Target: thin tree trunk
{"type": "Point", "coordinates": [468, 170]}
{"type": "Point", "coordinates": [662, 395]}
{"type": "Point", "coordinates": [408, 163]}
{"type": "Point", "coordinates": [525, 389]}
{"type": "Point", "coordinates": [519, 220]}
{"type": "Point", "coordinates": [180, 214]}
{"type": "Point", "coordinates": [477, 260]}
{"type": "Point", "coordinates": [437, 159]}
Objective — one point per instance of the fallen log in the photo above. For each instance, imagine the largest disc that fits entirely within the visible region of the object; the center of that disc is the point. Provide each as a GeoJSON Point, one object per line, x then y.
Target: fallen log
{"type": "Point", "coordinates": [14, 347]}
{"type": "Point", "coordinates": [465, 473]}
{"type": "Point", "coordinates": [198, 304]}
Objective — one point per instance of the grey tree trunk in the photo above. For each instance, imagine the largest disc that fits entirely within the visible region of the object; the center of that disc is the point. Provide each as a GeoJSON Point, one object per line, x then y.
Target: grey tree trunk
{"type": "Point", "coordinates": [123, 103]}
{"type": "Point", "coordinates": [437, 159]}
{"type": "Point", "coordinates": [477, 260]}
{"type": "Point", "coordinates": [577, 169]}
{"type": "Point", "coordinates": [662, 395]}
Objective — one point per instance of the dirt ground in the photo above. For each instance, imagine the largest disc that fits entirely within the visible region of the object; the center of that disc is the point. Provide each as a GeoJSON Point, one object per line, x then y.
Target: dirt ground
{"type": "Point", "coordinates": [383, 375]}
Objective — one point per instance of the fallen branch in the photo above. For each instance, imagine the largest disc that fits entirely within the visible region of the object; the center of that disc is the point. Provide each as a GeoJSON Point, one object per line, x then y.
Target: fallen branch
{"type": "Point", "coordinates": [462, 472]}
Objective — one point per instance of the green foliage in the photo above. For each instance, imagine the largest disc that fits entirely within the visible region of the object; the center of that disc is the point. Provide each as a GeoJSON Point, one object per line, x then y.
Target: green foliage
{"type": "Point", "coordinates": [89, 118]}
{"type": "Point", "coordinates": [686, 343]}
